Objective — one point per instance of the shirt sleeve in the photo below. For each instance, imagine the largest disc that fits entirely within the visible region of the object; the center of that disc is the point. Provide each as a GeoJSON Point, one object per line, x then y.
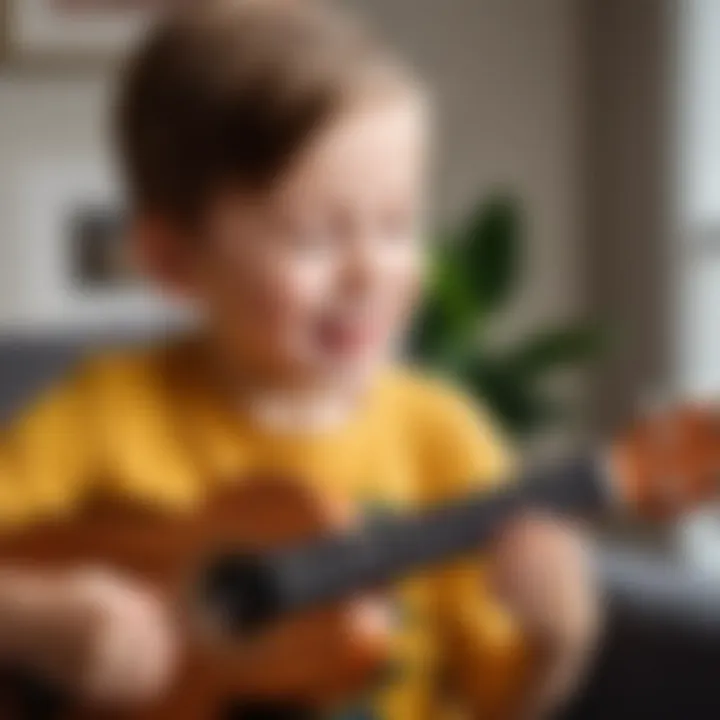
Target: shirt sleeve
{"type": "Point", "coordinates": [45, 454]}
{"type": "Point", "coordinates": [482, 650]}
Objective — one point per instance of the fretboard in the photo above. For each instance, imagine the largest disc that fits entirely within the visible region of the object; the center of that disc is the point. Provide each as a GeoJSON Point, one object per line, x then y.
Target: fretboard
{"type": "Point", "coordinates": [394, 547]}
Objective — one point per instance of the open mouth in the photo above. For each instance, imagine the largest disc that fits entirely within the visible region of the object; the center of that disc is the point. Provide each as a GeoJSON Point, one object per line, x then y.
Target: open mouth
{"type": "Point", "coordinates": [350, 338]}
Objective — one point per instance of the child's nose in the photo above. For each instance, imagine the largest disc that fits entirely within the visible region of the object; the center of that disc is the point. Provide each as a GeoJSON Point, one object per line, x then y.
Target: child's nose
{"type": "Point", "coordinates": [362, 268]}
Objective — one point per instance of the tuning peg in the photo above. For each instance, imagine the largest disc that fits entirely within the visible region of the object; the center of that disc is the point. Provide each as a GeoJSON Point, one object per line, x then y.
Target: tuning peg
{"type": "Point", "coordinates": [663, 439]}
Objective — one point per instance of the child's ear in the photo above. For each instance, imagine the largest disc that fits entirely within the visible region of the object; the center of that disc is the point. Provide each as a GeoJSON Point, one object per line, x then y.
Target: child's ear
{"type": "Point", "coordinates": [162, 254]}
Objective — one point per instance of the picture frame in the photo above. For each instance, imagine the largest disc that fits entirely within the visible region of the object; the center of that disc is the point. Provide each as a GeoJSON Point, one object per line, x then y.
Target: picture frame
{"type": "Point", "coordinates": [74, 264]}
{"type": "Point", "coordinates": [56, 34]}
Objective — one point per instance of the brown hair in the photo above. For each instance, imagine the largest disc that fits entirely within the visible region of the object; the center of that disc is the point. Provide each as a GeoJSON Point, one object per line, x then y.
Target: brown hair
{"type": "Point", "coordinates": [227, 92]}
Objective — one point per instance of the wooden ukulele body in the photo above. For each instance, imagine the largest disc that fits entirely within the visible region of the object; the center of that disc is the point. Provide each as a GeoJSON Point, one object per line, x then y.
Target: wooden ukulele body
{"type": "Point", "coordinates": [317, 659]}
{"type": "Point", "coordinates": [311, 660]}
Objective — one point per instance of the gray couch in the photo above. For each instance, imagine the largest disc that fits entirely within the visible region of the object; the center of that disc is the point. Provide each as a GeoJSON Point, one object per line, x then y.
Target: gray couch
{"type": "Point", "coordinates": [661, 655]}
{"type": "Point", "coordinates": [30, 362]}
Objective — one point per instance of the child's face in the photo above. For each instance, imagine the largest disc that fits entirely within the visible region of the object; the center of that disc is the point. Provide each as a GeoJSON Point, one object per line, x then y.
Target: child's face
{"type": "Point", "coordinates": [317, 279]}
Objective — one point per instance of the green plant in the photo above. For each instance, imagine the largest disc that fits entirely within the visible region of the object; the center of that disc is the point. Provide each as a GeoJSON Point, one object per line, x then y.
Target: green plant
{"type": "Point", "coordinates": [475, 271]}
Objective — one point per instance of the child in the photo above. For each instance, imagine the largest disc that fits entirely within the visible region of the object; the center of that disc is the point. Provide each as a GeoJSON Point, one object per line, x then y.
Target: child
{"type": "Point", "coordinates": [275, 160]}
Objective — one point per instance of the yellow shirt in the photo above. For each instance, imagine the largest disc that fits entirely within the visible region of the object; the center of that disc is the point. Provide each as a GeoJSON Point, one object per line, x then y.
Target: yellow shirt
{"type": "Point", "coordinates": [144, 425]}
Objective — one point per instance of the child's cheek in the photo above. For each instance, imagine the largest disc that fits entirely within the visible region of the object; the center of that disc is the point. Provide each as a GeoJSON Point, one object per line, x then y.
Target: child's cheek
{"type": "Point", "coordinates": [284, 302]}
{"type": "Point", "coordinates": [403, 287]}
{"type": "Point", "coordinates": [298, 291]}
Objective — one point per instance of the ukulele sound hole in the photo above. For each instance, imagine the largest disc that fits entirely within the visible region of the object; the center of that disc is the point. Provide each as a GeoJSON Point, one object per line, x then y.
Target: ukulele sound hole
{"type": "Point", "coordinates": [236, 595]}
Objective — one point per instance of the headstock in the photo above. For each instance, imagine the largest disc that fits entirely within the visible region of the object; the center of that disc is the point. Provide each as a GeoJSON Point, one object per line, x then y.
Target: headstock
{"type": "Point", "coordinates": [669, 461]}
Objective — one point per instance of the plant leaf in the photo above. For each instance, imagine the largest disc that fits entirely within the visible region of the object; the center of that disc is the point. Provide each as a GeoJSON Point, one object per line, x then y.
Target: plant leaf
{"type": "Point", "coordinates": [558, 348]}
{"type": "Point", "coordinates": [447, 318]}
{"type": "Point", "coordinates": [517, 402]}
{"type": "Point", "coordinates": [475, 271]}
{"type": "Point", "coordinates": [430, 333]}
{"type": "Point", "coordinates": [488, 249]}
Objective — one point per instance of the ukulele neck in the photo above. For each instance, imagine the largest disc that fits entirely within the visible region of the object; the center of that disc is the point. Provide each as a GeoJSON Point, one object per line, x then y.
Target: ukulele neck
{"type": "Point", "coordinates": [391, 548]}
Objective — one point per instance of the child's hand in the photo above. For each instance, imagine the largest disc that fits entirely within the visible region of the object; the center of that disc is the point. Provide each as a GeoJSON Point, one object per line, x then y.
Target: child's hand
{"type": "Point", "coordinates": [542, 573]}
{"type": "Point", "coordinates": [106, 639]}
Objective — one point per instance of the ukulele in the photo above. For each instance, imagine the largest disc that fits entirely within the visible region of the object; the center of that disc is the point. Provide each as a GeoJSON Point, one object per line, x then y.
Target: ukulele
{"type": "Point", "coordinates": [266, 576]}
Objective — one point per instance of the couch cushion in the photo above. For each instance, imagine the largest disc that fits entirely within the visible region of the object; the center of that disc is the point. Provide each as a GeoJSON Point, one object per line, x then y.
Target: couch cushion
{"type": "Point", "coordinates": [29, 363]}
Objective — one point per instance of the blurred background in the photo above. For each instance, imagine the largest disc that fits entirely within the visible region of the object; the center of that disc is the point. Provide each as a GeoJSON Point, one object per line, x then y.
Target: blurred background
{"type": "Point", "coordinates": [597, 117]}
{"type": "Point", "coordinates": [580, 171]}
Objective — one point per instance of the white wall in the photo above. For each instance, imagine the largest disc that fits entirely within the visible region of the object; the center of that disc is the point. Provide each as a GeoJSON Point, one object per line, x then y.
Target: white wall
{"type": "Point", "coordinates": [699, 112]}
{"type": "Point", "coordinates": [505, 74]}
{"type": "Point", "coordinates": [43, 122]}
{"type": "Point", "coordinates": [698, 197]}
